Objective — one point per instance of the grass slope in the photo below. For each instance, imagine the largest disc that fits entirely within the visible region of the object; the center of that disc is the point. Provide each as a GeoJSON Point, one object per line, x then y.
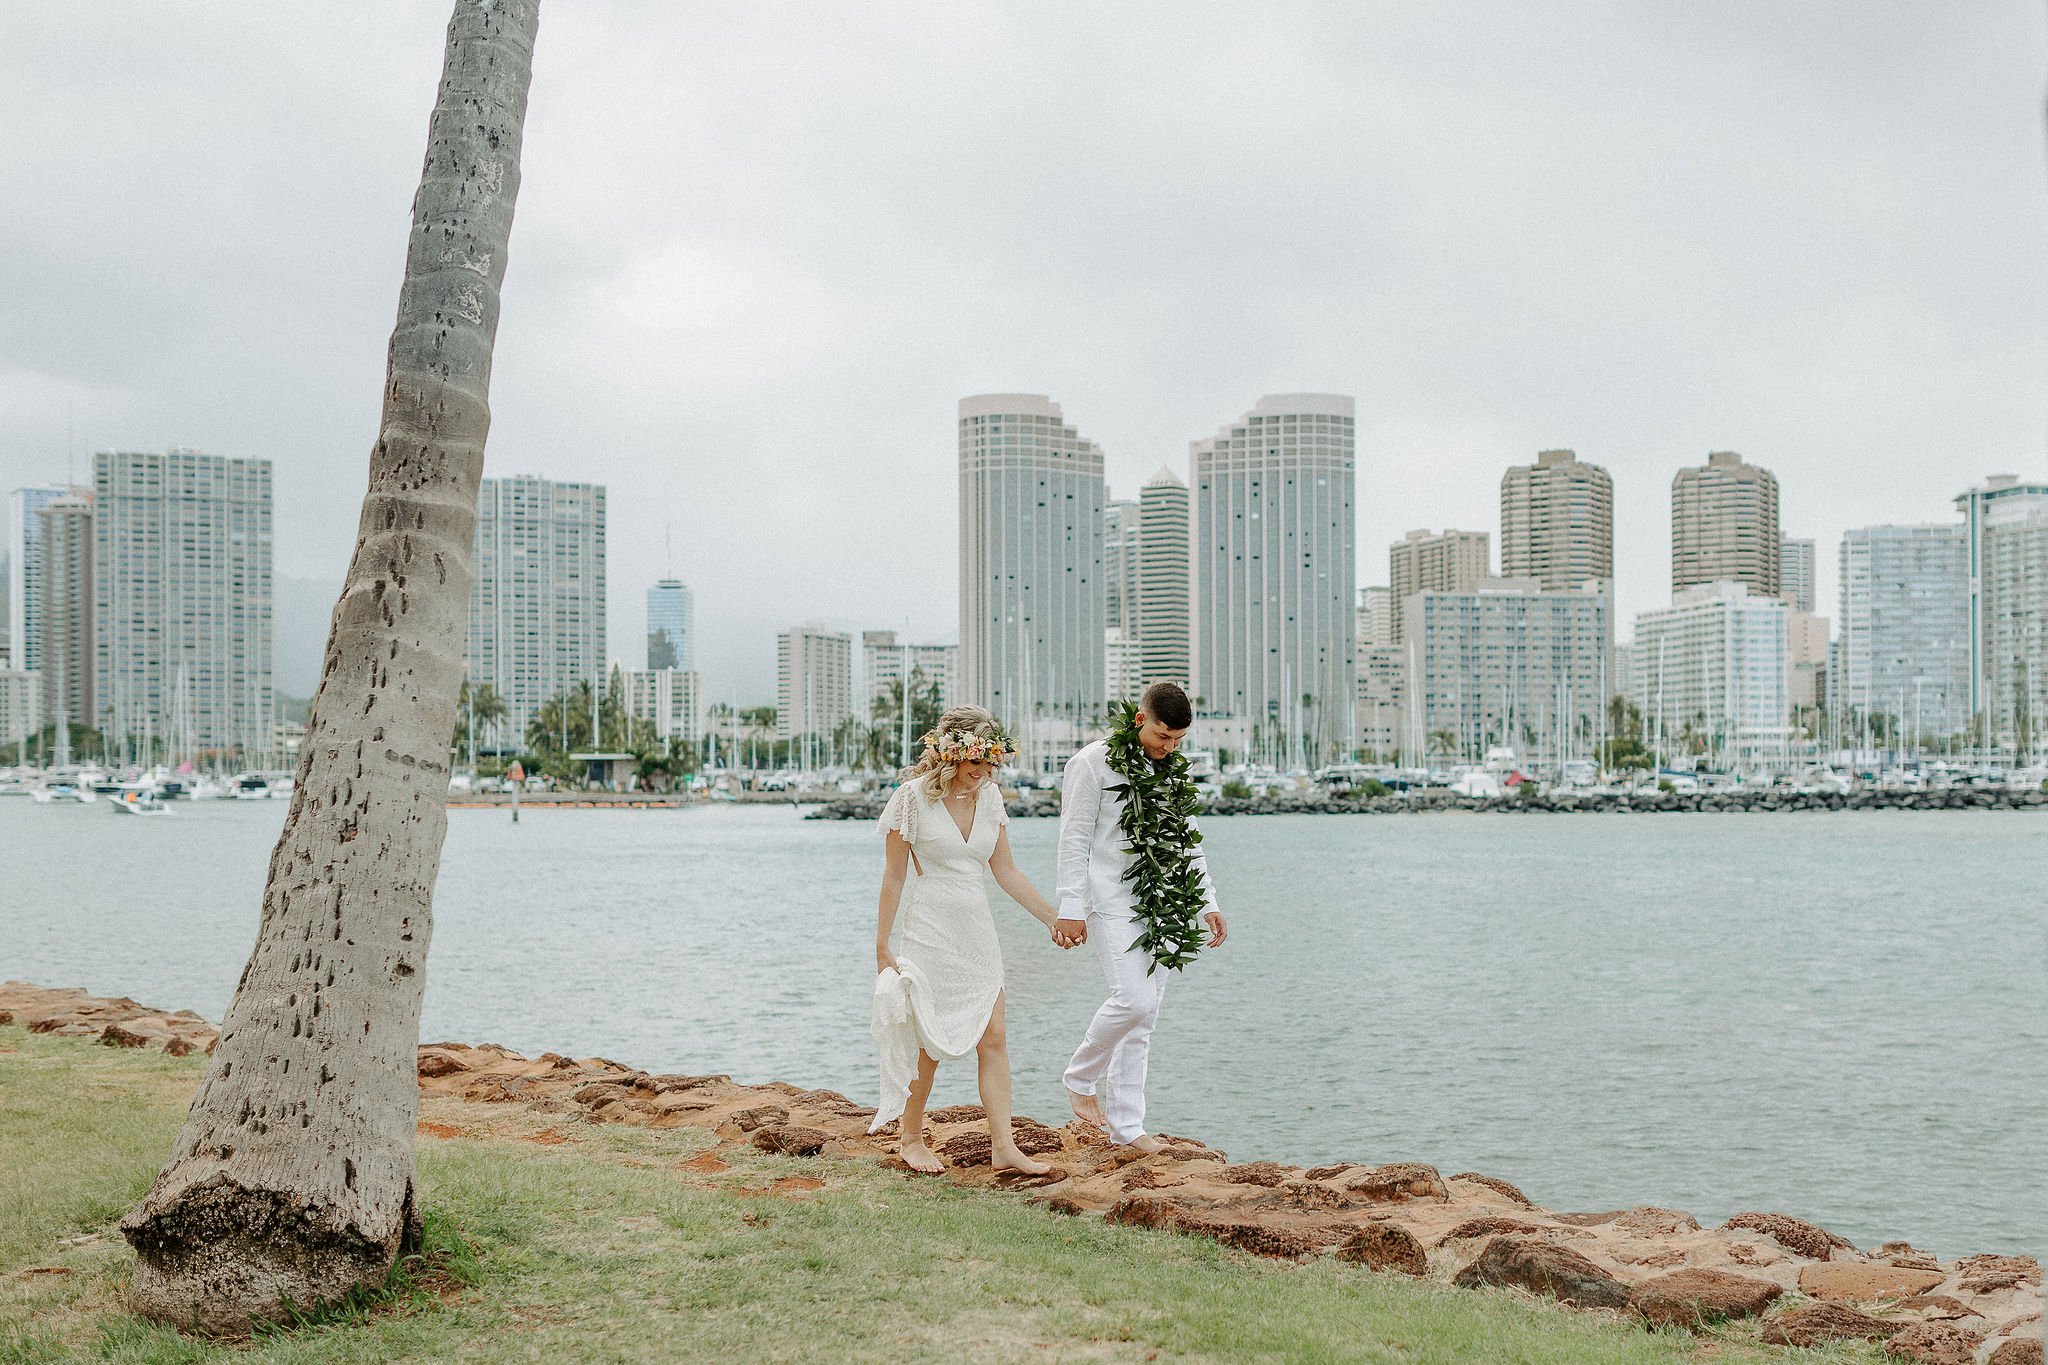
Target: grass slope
{"type": "Point", "coordinates": [617, 1244]}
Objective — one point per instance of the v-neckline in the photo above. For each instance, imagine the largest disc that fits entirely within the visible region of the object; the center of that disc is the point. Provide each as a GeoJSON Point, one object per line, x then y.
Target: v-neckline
{"type": "Point", "coordinates": [973, 818]}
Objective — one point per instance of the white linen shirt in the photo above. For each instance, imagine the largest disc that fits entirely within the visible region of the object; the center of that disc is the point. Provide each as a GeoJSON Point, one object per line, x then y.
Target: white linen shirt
{"type": "Point", "coordinates": [1091, 854]}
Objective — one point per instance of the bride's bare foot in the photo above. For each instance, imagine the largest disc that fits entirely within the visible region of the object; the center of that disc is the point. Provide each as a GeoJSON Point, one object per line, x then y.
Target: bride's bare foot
{"type": "Point", "coordinates": [1015, 1160]}
{"type": "Point", "coordinates": [919, 1158]}
{"type": "Point", "coordinates": [1146, 1143]}
{"type": "Point", "coordinates": [1086, 1108]}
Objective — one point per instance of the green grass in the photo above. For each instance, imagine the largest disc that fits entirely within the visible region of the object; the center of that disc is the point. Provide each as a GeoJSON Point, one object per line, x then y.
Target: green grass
{"type": "Point", "coordinates": [604, 1247]}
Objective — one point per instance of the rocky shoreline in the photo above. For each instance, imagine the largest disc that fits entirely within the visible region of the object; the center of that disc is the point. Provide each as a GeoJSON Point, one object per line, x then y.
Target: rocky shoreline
{"type": "Point", "coordinates": [1650, 1264]}
{"type": "Point", "coordinates": [1765, 800]}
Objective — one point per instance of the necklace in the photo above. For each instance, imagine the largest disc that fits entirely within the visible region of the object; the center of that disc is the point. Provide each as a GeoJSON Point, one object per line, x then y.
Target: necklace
{"type": "Point", "coordinates": [1160, 803]}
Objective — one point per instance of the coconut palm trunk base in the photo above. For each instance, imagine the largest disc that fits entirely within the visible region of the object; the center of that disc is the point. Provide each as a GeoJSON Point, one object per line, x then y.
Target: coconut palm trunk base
{"type": "Point", "coordinates": [224, 1257]}
{"type": "Point", "coordinates": [291, 1183]}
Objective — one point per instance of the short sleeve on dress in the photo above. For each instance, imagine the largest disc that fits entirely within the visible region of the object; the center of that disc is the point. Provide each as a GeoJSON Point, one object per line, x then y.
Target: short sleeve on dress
{"type": "Point", "coordinates": [900, 813]}
{"type": "Point", "coordinates": [1002, 807]}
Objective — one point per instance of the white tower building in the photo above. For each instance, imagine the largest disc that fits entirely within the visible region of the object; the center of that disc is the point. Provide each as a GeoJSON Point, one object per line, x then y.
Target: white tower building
{"type": "Point", "coordinates": [1275, 573]}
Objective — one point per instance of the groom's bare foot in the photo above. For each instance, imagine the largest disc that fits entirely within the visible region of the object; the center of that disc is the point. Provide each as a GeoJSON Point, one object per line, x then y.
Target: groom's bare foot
{"type": "Point", "coordinates": [919, 1158]}
{"type": "Point", "coordinates": [1015, 1160]}
{"type": "Point", "coordinates": [1086, 1108]}
{"type": "Point", "coordinates": [1144, 1142]}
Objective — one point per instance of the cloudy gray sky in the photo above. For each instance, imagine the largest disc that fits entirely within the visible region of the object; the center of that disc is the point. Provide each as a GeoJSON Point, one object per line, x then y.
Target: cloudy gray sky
{"type": "Point", "coordinates": [762, 249]}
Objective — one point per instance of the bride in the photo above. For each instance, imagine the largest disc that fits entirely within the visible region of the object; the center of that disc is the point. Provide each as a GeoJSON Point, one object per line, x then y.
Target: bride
{"type": "Point", "coordinates": [940, 995]}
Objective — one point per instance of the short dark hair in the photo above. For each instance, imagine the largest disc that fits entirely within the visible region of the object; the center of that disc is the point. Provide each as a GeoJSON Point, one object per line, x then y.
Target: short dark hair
{"type": "Point", "coordinates": [1167, 704]}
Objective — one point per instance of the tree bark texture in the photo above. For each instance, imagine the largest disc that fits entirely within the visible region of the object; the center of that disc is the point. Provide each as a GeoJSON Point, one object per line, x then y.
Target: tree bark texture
{"type": "Point", "coordinates": [292, 1180]}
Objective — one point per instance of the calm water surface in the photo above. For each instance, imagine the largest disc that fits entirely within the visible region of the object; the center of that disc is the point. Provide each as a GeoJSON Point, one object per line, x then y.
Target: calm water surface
{"type": "Point", "coordinates": [1836, 1015]}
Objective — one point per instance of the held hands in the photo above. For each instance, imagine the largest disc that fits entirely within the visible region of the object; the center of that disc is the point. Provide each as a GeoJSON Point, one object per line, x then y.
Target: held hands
{"type": "Point", "coordinates": [1068, 933]}
{"type": "Point", "coordinates": [1218, 930]}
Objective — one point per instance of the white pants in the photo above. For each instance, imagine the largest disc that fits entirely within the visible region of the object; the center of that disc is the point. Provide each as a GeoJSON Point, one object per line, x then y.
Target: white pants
{"type": "Point", "coordinates": [1119, 1037]}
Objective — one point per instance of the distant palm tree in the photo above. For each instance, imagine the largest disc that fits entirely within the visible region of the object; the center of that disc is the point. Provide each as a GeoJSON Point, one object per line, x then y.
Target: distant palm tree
{"type": "Point", "coordinates": [1443, 742]}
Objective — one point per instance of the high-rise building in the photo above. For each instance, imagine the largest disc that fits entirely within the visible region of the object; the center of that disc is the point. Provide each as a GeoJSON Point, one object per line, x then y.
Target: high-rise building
{"type": "Point", "coordinates": [1796, 581]}
{"type": "Point", "coordinates": [1275, 559]}
{"type": "Point", "coordinates": [1120, 532]}
{"type": "Point", "coordinates": [813, 682]}
{"type": "Point", "coordinates": [1375, 618]}
{"type": "Point", "coordinates": [672, 698]}
{"type": "Point", "coordinates": [1811, 646]}
{"type": "Point", "coordinates": [1165, 647]}
{"type": "Point", "coordinates": [24, 570]}
{"type": "Point", "coordinates": [537, 606]}
{"type": "Point", "coordinates": [1724, 525]}
{"type": "Point", "coordinates": [1382, 700]}
{"type": "Point", "coordinates": [885, 661]}
{"type": "Point", "coordinates": [1557, 521]}
{"type": "Point", "coordinates": [21, 704]}
{"type": "Point", "coordinates": [182, 601]}
{"type": "Point", "coordinates": [1505, 663]}
{"type": "Point", "coordinates": [1422, 561]}
{"type": "Point", "coordinates": [1033, 607]}
{"type": "Point", "coordinates": [671, 626]}
{"type": "Point", "coordinates": [64, 616]}
{"type": "Point", "coordinates": [2005, 526]}
{"type": "Point", "coordinates": [1710, 674]}
{"type": "Point", "coordinates": [1905, 627]}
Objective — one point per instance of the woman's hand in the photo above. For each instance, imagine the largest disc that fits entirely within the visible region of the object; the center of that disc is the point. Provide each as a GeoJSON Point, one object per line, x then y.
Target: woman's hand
{"type": "Point", "coordinates": [885, 961]}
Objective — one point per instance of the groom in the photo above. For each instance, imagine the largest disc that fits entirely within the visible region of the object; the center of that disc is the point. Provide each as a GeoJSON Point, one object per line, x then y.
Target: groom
{"type": "Point", "coordinates": [1095, 901]}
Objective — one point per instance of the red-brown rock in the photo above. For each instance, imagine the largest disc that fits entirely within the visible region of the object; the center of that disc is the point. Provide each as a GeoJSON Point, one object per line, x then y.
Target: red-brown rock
{"type": "Point", "coordinates": [1651, 1221]}
{"type": "Point", "coordinates": [1544, 1268]}
{"type": "Point", "coordinates": [1840, 1281]}
{"type": "Point", "coordinates": [1935, 1343]}
{"type": "Point", "coordinates": [760, 1116]}
{"type": "Point", "coordinates": [1791, 1233]}
{"type": "Point", "coordinates": [2017, 1351]}
{"type": "Point", "coordinates": [1488, 1225]}
{"type": "Point", "coordinates": [1386, 1246]}
{"type": "Point", "coordinates": [1399, 1183]}
{"type": "Point", "coordinates": [1695, 1298]}
{"type": "Point", "coordinates": [791, 1140]}
{"type": "Point", "coordinates": [1270, 1173]}
{"type": "Point", "coordinates": [1816, 1324]}
{"type": "Point", "coordinates": [1498, 1186]}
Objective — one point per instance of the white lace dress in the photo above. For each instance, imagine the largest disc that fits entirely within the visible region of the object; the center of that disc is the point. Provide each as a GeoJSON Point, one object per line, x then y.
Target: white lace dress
{"type": "Point", "coordinates": [951, 965]}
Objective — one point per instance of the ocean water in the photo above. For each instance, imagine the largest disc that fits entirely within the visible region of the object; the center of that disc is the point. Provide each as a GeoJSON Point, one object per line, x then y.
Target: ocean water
{"type": "Point", "coordinates": [1834, 1015]}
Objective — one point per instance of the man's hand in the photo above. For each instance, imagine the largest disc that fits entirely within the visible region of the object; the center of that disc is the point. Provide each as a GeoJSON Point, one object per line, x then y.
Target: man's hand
{"type": "Point", "coordinates": [1218, 930]}
{"type": "Point", "coordinates": [1069, 932]}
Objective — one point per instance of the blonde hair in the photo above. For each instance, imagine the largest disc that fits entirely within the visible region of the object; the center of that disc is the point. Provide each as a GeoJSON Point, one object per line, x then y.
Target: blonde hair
{"type": "Point", "coordinates": [935, 772]}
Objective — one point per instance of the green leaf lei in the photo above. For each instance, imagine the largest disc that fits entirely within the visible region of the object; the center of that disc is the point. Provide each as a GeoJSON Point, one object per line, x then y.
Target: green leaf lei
{"type": "Point", "coordinates": [1160, 805]}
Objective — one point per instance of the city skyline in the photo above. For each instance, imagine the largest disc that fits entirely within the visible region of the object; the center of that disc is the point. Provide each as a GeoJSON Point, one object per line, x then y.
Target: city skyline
{"type": "Point", "coordinates": [1640, 236]}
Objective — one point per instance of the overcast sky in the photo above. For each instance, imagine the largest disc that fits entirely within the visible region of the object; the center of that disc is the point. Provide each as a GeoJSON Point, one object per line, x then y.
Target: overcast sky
{"type": "Point", "coordinates": [762, 250]}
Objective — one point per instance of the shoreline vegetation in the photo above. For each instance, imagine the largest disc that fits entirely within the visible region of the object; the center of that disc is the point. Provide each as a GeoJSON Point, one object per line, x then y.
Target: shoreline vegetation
{"type": "Point", "coordinates": [1028, 803]}
{"type": "Point", "coordinates": [585, 1209]}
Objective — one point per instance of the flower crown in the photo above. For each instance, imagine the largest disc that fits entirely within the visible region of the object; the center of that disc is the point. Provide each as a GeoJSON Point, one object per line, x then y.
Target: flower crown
{"type": "Point", "coordinates": [960, 746]}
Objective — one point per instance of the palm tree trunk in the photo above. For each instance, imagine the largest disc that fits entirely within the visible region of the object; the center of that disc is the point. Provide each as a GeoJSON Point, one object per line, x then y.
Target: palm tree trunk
{"type": "Point", "coordinates": [292, 1180]}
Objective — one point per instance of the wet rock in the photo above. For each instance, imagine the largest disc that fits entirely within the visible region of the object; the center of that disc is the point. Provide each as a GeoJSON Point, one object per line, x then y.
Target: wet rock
{"type": "Point", "coordinates": [1399, 1183]}
{"type": "Point", "coordinates": [1816, 1324]}
{"type": "Point", "coordinates": [1386, 1246]}
{"type": "Point", "coordinates": [1695, 1298]}
{"type": "Point", "coordinates": [1935, 1343]}
{"type": "Point", "coordinates": [1791, 1233]}
{"type": "Point", "coordinates": [791, 1140]}
{"type": "Point", "coordinates": [1544, 1268]}
{"type": "Point", "coordinates": [1841, 1281]}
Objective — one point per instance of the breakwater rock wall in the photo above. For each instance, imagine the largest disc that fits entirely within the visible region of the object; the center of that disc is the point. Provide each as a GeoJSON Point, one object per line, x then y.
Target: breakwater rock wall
{"type": "Point", "coordinates": [1764, 799]}
{"type": "Point", "coordinates": [1657, 1265]}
